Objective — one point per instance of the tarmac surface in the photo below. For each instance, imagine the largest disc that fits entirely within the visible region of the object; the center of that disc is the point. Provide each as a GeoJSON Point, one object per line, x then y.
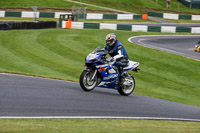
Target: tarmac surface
{"type": "Point", "coordinates": [26, 96]}
{"type": "Point", "coordinates": [178, 44]}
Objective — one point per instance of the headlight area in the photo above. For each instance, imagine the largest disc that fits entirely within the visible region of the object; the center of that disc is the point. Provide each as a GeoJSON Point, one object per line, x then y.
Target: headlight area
{"type": "Point", "coordinates": [101, 60]}
{"type": "Point", "coordinates": [91, 57]}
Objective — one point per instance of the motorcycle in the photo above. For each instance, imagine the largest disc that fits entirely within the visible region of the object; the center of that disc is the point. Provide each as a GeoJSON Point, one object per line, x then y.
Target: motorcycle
{"type": "Point", "coordinates": [197, 48]}
{"type": "Point", "coordinates": [100, 71]}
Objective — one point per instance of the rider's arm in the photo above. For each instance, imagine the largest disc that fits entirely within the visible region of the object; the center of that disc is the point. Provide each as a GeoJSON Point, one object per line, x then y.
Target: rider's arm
{"type": "Point", "coordinates": [119, 55]}
{"type": "Point", "coordinates": [106, 49]}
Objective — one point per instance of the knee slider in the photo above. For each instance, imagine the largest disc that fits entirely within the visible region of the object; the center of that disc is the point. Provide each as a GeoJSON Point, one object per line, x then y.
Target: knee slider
{"type": "Point", "coordinates": [120, 68]}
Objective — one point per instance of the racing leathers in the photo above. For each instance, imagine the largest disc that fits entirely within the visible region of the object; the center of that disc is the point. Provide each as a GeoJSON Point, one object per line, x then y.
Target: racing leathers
{"type": "Point", "coordinates": [118, 52]}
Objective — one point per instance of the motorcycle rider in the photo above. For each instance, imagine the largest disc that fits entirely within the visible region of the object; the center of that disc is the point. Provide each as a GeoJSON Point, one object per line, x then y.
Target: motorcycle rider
{"type": "Point", "coordinates": [118, 52]}
{"type": "Point", "coordinates": [197, 47]}
{"type": "Point", "coordinates": [198, 43]}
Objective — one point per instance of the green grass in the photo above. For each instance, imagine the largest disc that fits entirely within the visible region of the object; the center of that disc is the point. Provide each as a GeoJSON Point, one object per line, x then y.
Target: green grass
{"type": "Point", "coordinates": [60, 53]}
{"type": "Point", "coordinates": [142, 6]}
{"type": "Point", "coordinates": [40, 3]}
{"type": "Point", "coordinates": [18, 19]}
{"type": "Point", "coordinates": [134, 21]}
{"type": "Point", "coordinates": [136, 6]}
{"type": "Point", "coordinates": [95, 126]}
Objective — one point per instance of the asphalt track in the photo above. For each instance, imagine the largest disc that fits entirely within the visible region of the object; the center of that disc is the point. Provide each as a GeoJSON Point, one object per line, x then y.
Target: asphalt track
{"type": "Point", "coordinates": [178, 44]}
{"type": "Point", "coordinates": [26, 96]}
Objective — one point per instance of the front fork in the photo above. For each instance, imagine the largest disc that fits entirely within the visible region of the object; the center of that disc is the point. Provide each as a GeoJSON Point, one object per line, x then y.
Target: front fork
{"type": "Point", "coordinates": [95, 72]}
{"type": "Point", "coordinates": [91, 70]}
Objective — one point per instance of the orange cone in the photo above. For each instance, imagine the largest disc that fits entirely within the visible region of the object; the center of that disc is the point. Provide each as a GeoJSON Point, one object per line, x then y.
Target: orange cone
{"type": "Point", "coordinates": [68, 24]}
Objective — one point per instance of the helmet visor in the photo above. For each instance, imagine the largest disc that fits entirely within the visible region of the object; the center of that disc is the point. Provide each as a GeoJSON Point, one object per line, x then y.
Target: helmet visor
{"type": "Point", "coordinates": [110, 42]}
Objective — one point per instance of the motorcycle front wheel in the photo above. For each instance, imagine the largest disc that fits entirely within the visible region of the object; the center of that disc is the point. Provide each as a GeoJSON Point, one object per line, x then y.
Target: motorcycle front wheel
{"type": "Point", "coordinates": [128, 87]}
{"type": "Point", "coordinates": [85, 80]}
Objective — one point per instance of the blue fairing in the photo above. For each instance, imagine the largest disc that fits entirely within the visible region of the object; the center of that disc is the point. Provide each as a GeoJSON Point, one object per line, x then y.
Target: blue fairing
{"type": "Point", "coordinates": [97, 59]}
{"type": "Point", "coordinates": [109, 79]}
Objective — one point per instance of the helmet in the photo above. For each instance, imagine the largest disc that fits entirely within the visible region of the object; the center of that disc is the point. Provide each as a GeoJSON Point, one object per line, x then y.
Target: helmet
{"type": "Point", "coordinates": [110, 39]}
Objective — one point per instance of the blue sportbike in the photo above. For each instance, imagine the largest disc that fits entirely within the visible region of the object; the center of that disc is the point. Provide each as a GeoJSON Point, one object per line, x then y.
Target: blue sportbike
{"type": "Point", "coordinates": [100, 71]}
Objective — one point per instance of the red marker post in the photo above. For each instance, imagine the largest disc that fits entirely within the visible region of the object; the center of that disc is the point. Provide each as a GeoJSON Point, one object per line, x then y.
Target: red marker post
{"type": "Point", "coordinates": [168, 2]}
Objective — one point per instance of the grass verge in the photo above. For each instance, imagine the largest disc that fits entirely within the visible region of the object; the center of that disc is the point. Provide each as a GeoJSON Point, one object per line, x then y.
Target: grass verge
{"type": "Point", "coordinates": [136, 6]}
{"type": "Point", "coordinates": [134, 21]}
{"type": "Point", "coordinates": [143, 6]}
{"type": "Point", "coordinates": [60, 53]}
{"type": "Point", "coordinates": [39, 3]}
{"type": "Point", "coordinates": [96, 126]}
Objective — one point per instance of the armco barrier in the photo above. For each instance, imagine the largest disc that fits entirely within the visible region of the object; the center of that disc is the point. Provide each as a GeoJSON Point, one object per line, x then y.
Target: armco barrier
{"type": "Point", "coordinates": [91, 25]}
{"type": "Point", "coordinates": [28, 25]}
{"type": "Point", "coordinates": [174, 16]}
{"type": "Point", "coordinates": [124, 27]}
{"type": "Point", "coordinates": [155, 14]}
{"type": "Point", "coordinates": [29, 14]}
{"type": "Point", "coordinates": [4, 26]}
{"type": "Point", "coordinates": [134, 28]}
{"type": "Point", "coordinates": [191, 3]}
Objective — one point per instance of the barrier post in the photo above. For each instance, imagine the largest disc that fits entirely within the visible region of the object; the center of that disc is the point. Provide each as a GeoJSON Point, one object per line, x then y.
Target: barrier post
{"type": "Point", "coordinates": [35, 9]}
{"type": "Point", "coordinates": [145, 16]}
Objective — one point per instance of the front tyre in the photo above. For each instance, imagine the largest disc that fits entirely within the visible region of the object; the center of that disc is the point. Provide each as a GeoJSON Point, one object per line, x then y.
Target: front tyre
{"type": "Point", "coordinates": [128, 86]}
{"type": "Point", "coordinates": [85, 80]}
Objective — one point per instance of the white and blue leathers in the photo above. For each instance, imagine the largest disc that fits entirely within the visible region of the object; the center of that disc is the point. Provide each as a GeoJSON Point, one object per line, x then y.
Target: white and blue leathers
{"type": "Point", "coordinates": [118, 52]}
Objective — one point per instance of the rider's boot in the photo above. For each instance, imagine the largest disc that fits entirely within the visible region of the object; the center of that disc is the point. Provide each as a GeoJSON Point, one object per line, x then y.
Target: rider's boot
{"type": "Point", "coordinates": [117, 80]}
{"type": "Point", "coordinates": [121, 79]}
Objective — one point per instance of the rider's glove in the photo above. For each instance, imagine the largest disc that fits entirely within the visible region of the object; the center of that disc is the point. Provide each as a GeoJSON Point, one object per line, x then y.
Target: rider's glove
{"type": "Point", "coordinates": [112, 59]}
{"type": "Point", "coordinates": [109, 59]}
{"type": "Point", "coordinates": [117, 57]}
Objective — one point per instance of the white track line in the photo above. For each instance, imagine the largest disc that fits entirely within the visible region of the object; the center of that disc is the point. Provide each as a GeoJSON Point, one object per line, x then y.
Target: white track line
{"type": "Point", "coordinates": [35, 77]}
{"type": "Point", "coordinates": [97, 117]}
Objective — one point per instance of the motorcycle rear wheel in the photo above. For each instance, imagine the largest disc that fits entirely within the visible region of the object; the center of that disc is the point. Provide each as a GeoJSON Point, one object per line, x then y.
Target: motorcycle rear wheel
{"type": "Point", "coordinates": [127, 90]}
{"type": "Point", "coordinates": [85, 80]}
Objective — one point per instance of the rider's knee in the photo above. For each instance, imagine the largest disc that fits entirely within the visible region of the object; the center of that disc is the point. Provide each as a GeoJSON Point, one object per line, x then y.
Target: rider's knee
{"type": "Point", "coordinates": [120, 68]}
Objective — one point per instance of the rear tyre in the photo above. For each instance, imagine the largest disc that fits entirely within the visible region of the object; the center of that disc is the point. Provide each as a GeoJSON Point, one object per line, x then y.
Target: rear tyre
{"type": "Point", "coordinates": [85, 80]}
{"type": "Point", "coordinates": [128, 86]}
